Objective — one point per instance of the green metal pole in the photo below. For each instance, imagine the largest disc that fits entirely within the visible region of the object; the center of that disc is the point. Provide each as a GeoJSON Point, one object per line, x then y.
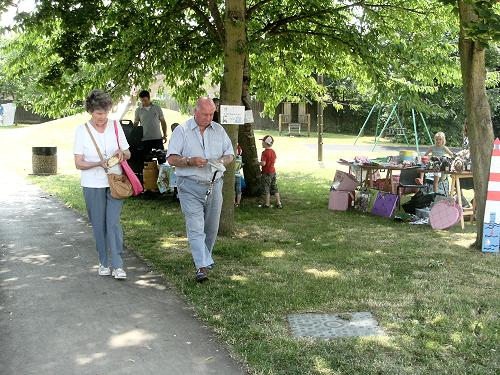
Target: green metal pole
{"type": "Point", "coordinates": [378, 119]}
{"type": "Point", "coordinates": [366, 121]}
{"type": "Point", "coordinates": [415, 129]}
{"type": "Point", "coordinates": [426, 128]}
{"type": "Point", "coordinates": [320, 122]}
{"type": "Point", "coordinates": [385, 125]}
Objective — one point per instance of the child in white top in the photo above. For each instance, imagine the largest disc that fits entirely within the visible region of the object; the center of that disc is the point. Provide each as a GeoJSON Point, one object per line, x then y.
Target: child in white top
{"type": "Point", "coordinates": [439, 149]}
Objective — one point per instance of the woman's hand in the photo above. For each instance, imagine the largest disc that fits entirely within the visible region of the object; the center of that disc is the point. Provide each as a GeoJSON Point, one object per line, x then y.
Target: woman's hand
{"type": "Point", "coordinates": [119, 153]}
{"type": "Point", "coordinates": [81, 164]}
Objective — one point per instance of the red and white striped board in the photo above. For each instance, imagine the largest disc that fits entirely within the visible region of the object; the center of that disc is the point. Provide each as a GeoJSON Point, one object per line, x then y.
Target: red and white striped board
{"type": "Point", "coordinates": [491, 224]}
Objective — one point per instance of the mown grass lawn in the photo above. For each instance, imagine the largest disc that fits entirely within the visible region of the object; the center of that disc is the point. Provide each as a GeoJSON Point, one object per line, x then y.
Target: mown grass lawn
{"type": "Point", "coordinates": [437, 300]}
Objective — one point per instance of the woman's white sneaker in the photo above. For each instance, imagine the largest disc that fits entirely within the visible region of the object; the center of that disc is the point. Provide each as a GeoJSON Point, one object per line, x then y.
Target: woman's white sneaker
{"type": "Point", "coordinates": [104, 271]}
{"type": "Point", "coordinates": [119, 273]}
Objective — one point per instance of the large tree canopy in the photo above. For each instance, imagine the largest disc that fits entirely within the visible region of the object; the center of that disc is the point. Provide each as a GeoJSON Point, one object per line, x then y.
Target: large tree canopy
{"type": "Point", "coordinates": [391, 47]}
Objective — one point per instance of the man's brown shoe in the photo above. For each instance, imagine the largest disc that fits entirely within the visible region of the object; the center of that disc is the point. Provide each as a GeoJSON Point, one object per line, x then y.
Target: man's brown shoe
{"type": "Point", "coordinates": [201, 275]}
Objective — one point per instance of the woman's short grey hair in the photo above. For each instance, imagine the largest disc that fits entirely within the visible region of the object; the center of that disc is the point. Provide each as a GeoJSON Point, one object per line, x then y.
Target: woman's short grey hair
{"type": "Point", "coordinates": [98, 100]}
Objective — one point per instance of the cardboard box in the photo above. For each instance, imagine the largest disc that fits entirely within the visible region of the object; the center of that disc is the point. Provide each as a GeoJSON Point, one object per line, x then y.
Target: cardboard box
{"type": "Point", "coordinates": [344, 181]}
{"type": "Point", "coordinates": [340, 200]}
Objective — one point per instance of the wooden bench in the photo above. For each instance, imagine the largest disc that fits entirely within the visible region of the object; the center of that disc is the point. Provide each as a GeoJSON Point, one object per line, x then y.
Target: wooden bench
{"type": "Point", "coordinates": [293, 127]}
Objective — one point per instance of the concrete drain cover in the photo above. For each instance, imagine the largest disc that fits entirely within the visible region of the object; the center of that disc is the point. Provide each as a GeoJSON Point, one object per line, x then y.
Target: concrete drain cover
{"type": "Point", "coordinates": [331, 326]}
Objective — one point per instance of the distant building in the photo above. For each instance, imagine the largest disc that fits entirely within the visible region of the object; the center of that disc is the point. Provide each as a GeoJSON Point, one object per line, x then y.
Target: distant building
{"type": "Point", "coordinates": [22, 115]}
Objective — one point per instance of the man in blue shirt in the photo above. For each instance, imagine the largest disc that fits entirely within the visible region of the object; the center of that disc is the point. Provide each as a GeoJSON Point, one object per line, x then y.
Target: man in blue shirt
{"type": "Point", "coordinates": [200, 149]}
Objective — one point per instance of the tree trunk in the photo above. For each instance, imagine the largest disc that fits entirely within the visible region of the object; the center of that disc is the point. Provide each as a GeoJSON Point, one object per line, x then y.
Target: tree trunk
{"type": "Point", "coordinates": [251, 169]}
{"type": "Point", "coordinates": [234, 56]}
{"type": "Point", "coordinates": [477, 109]}
{"type": "Point", "coordinates": [246, 139]}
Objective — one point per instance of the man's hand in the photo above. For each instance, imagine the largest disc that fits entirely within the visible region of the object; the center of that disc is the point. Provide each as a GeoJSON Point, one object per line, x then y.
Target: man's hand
{"type": "Point", "coordinates": [226, 159]}
{"type": "Point", "coordinates": [184, 161]}
{"type": "Point", "coordinates": [197, 161]}
{"type": "Point", "coordinates": [164, 138]}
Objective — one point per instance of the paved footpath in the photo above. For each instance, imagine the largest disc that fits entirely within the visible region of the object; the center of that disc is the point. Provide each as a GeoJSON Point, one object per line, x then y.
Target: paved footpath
{"type": "Point", "coordinates": [58, 317]}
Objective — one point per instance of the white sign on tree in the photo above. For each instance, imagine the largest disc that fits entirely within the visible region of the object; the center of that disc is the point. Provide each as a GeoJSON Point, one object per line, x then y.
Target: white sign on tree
{"type": "Point", "coordinates": [232, 114]}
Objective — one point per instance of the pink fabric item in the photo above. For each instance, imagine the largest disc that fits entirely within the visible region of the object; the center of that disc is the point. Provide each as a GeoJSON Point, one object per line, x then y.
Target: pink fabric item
{"type": "Point", "coordinates": [444, 214]}
{"type": "Point", "coordinates": [136, 184]}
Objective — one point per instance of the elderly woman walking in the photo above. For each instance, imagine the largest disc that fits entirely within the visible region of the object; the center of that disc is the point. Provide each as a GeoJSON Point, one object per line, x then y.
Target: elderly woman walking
{"type": "Point", "coordinates": [103, 210]}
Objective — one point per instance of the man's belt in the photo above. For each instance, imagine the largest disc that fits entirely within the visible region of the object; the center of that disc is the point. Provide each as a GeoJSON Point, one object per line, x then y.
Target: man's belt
{"type": "Point", "coordinates": [201, 182]}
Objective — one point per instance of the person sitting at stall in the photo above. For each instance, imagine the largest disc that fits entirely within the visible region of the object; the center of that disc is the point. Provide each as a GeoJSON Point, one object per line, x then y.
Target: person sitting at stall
{"type": "Point", "coordinates": [439, 150]}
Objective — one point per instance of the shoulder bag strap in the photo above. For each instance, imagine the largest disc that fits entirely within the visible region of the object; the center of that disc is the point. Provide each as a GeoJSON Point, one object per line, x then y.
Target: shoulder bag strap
{"type": "Point", "coordinates": [95, 144]}
{"type": "Point", "coordinates": [116, 133]}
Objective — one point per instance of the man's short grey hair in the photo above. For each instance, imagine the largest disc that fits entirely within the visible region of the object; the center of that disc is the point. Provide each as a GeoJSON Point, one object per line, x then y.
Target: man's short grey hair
{"type": "Point", "coordinates": [98, 100]}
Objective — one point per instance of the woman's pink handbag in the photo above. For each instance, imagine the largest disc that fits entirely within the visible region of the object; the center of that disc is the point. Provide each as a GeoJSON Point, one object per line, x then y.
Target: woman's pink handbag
{"type": "Point", "coordinates": [136, 184]}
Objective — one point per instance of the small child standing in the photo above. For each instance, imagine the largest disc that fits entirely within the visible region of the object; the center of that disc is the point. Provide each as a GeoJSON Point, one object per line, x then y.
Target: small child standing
{"type": "Point", "coordinates": [268, 176]}
{"type": "Point", "coordinates": [237, 176]}
{"type": "Point", "coordinates": [439, 149]}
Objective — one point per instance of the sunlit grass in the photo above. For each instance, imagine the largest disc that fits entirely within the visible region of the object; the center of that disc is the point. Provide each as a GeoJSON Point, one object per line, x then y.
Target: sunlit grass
{"type": "Point", "coordinates": [273, 254]}
{"type": "Point", "coordinates": [319, 274]}
{"type": "Point", "coordinates": [436, 300]}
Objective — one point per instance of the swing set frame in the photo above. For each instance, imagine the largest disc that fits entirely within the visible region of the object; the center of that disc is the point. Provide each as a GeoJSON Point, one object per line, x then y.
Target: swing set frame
{"type": "Point", "coordinates": [401, 127]}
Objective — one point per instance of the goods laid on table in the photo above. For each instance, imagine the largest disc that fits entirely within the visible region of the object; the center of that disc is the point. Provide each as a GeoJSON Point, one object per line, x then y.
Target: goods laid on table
{"type": "Point", "coordinates": [382, 202]}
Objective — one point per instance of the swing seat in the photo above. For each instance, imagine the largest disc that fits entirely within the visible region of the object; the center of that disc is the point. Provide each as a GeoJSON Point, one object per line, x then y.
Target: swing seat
{"type": "Point", "coordinates": [396, 131]}
{"type": "Point", "coordinates": [400, 131]}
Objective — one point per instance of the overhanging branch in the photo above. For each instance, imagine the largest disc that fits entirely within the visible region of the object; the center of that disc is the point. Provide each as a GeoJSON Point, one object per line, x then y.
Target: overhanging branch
{"type": "Point", "coordinates": [204, 18]}
{"type": "Point", "coordinates": [256, 7]}
{"type": "Point", "coordinates": [219, 24]}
